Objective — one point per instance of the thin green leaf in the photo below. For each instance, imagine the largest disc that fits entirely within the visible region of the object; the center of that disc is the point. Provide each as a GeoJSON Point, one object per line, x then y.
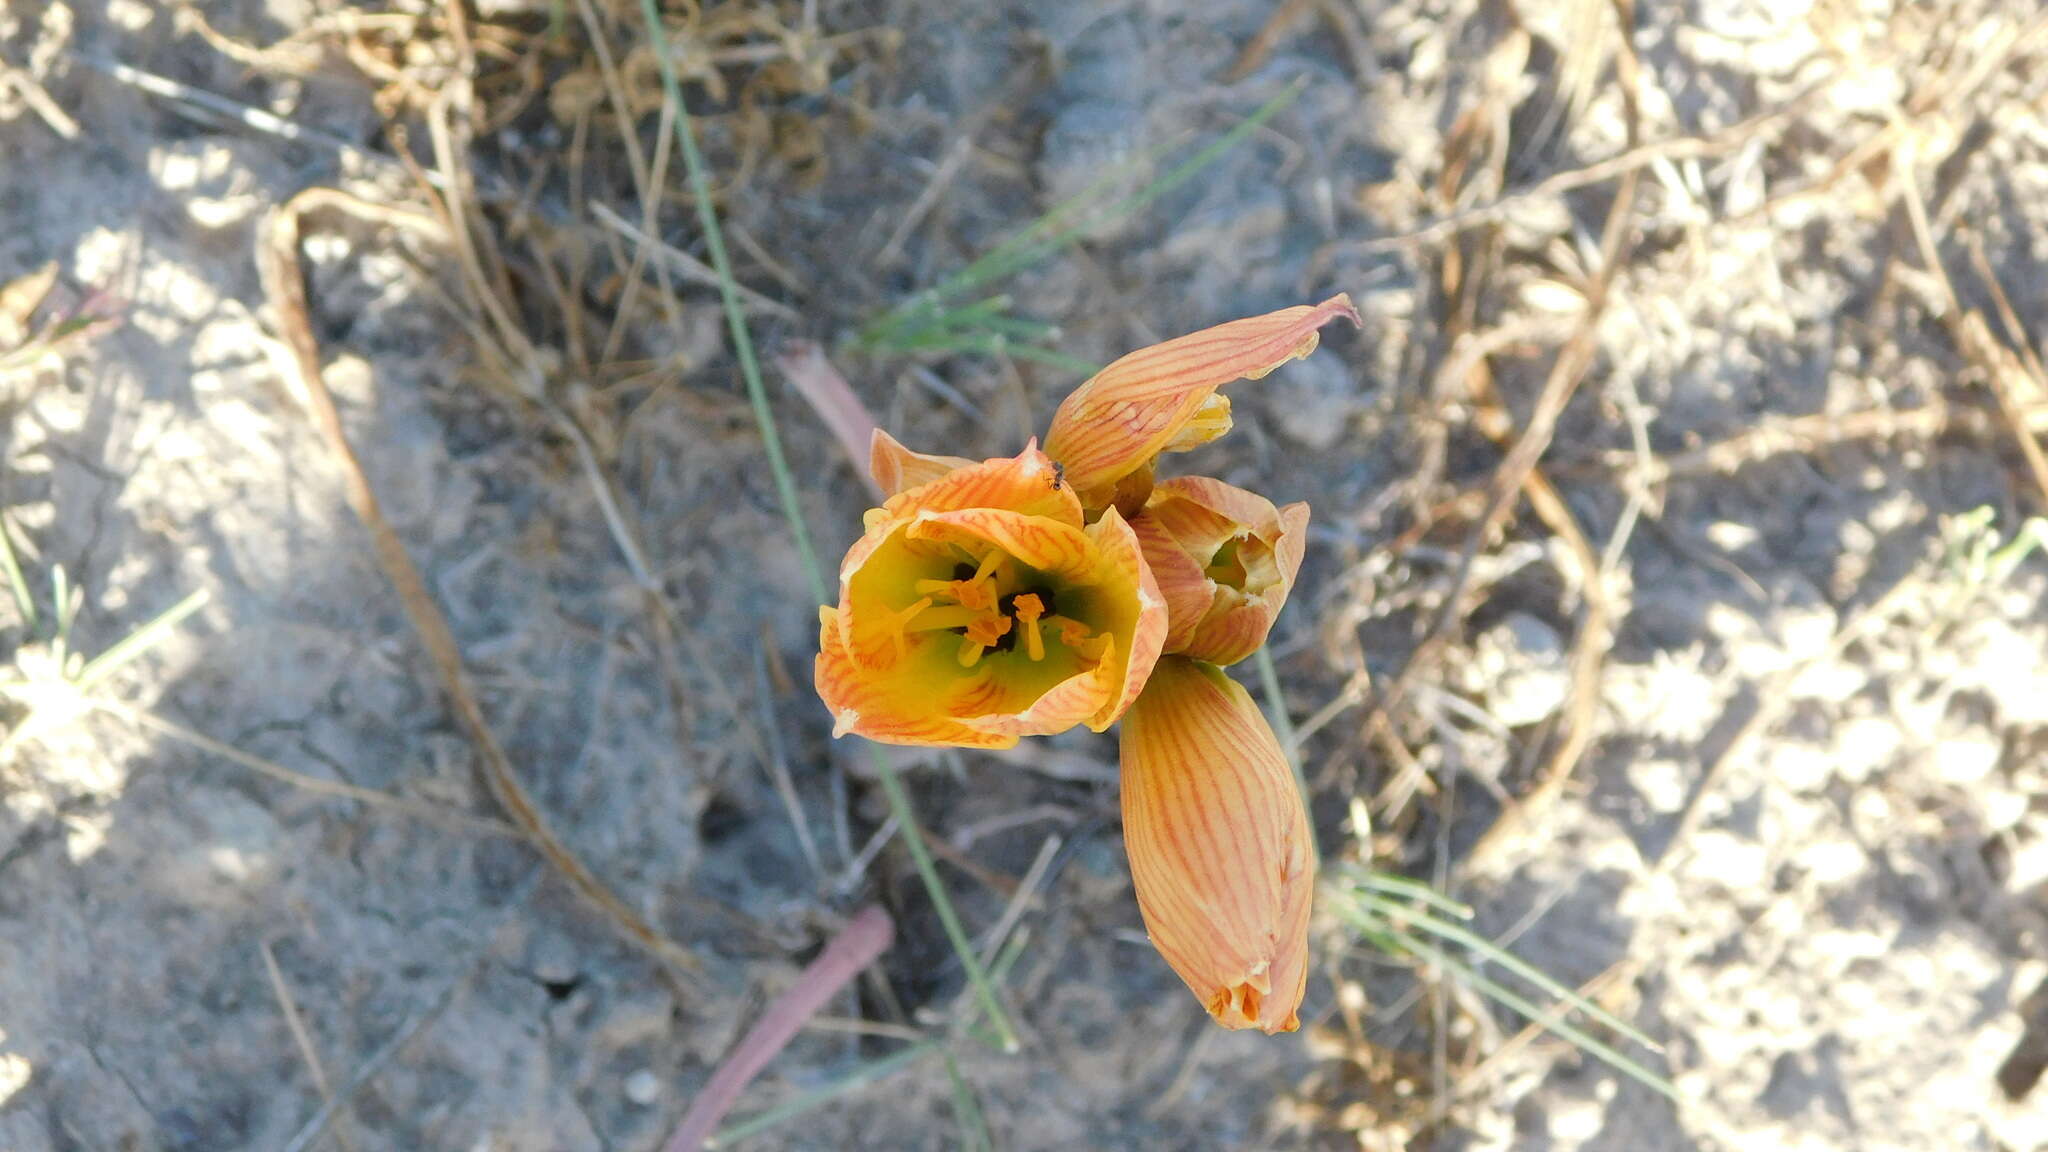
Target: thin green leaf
{"type": "Point", "coordinates": [139, 641]}
{"type": "Point", "coordinates": [1403, 886]}
{"type": "Point", "coordinates": [1067, 221]}
{"type": "Point", "coordinates": [1494, 953]}
{"type": "Point", "coordinates": [973, 1129]}
{"type": "Point", "coordinates": [921, 855]}
{"type": "Point", "coordinates": [785, 488]}
{"type": "Point", "coordinates": [1550, 1021]}
{"type": "Point", "coordinates": [1283, 727]}
{"type": "Point", "coordinates": [729, 296]}
{"type": "Point", "coordinates": [803, 1102]}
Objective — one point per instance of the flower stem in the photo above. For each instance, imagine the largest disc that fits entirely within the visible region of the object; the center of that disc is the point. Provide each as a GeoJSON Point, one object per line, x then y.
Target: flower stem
{"type": "Point", "coordinates": [921, 854]}
{"type": "Point", "coordinates": [785, 488]}
{"type": "Point", "coordinates": [728, 291]}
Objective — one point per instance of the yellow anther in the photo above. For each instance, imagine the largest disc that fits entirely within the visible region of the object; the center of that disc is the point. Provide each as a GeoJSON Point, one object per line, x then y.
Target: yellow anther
{"type": "Point", "coordinates": [1073, 633]}
{"type": "Point", "coordinates": [1028, 608]}
{"type": "Point", "coordinates": [986, 630]}
{"type": "Point", "coordinates": [973, 592]}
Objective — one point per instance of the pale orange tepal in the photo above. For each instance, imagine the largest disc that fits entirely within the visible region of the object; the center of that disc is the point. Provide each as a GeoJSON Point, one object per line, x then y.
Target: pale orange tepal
{"type": "Point", "coordinates": [1219, 842]}
{"type": "Point", "coordinates": [1164, 398]}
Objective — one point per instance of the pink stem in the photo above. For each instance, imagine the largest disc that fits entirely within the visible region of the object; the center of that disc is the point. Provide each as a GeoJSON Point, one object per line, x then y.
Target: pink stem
{"type": "Point", "coordinates": [864, 938]}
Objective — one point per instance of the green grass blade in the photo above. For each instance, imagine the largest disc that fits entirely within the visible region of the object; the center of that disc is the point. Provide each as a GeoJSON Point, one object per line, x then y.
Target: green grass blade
{"type": "Point", "coordinates": [1494, 953]}
{"type": "Point", "coordinates": [16, 582]}
{"type": "Point", "coordinates": [139, 641]}
{"type": "Point", "coordinates": [998, 346]}
{"type": "Point", "coordinates": [1067, 221]}
{"type": "Point", "coordinates": [824, 1094]}
{"type": "Point", "coordinates": [61, 604]}
{"type": "Point", "coordinates": [1550, 1020]}
{"type": "Point", "coordinates": [1283, 727]}
{"type": "Point", "coordinates": [921, 855]}
{"type": "Point", "coordinates": [1403, 886]}
{"type": "Point", "coordinates": [1008, 257]}
{"type": "Point", "coordinates": [729, 296]}
{"type": "Point", "coordinates": [967, 1113]}
{"type": "Point", "coordinates": [785, 488]}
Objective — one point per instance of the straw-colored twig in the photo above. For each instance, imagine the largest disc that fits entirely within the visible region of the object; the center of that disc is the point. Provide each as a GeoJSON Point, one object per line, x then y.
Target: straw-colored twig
{"type": "Point", "coordinates": [285, 284]}
{"type": "Point", "coordinates": [340, 789]}
{"type": "Point", "coordinates": [1588, 653]}
{"type": "Point", "coordinates": [289, 1005]}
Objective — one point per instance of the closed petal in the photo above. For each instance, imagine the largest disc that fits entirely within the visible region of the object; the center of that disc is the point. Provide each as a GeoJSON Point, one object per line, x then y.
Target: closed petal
{"type": "Point", "coordinates": [1246, 551]}
{"type": "Point", "coordinates": [1187, 589]}
{"type": "Point", "coordinates": [897, 469]}
{"type": "Point", "coordinates": [1219, 845]}
{"type": "Point", "coordinates": [1147, 401]}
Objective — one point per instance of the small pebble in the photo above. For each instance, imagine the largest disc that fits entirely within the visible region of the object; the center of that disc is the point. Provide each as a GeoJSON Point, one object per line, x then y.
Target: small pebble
{"type": "Point", "coordinates": [643, 1088]}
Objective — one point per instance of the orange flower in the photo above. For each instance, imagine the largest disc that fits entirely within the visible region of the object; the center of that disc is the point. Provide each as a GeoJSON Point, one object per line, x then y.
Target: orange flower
{"type": "Point", "coordinates": [1164, 398]}
{"type": "Point", "coordinates": [980, 607]}
{"type": "Point", "coordinates": [1018, 597]}
{"type": "Point", "coordinates": [1225, 560]}
{"type": "Point", "coordinates": [1219, 845]}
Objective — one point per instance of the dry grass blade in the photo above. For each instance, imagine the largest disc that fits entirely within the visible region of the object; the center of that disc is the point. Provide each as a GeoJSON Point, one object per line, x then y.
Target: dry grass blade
{"type": "Point", "coordinates": [2003, 368]}
{"type": "Point", "coordinates": [1802, 435]}
{"type": "Point", "coordinates": [339, 789]}
{"type": "Point", "coordinates": [284, 281]}
{"type": "Point", "coordinates": [1588, 654]}
{"type": "Point", "coordinates": [289, 1005]}
{"type": "Point", "coordinates": [1511, 477]}
{"type": "Point", "coordinates": [856, 946]}
{"type": "Point", "coordinates": [1628, 163]}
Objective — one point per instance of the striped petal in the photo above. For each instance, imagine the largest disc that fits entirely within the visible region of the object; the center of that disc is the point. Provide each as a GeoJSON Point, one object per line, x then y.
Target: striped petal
{"type": "Point", "coordinates": [1219, 845]}
{"type": "Point", "coordinates": [1244, 552]}
{"type": "Point", "coordinates": [1026, 483]}
{"type": "Point", "coordinates": [891, 709]}
{"type": "Point", "coordinates": [1163, 398]}
{"type": "Point", "coordinates": [1183, 584]}
{"type": "Point", "coordinates": [897, 469]}
{"type": "Point", "coordinates": [1135, 609]}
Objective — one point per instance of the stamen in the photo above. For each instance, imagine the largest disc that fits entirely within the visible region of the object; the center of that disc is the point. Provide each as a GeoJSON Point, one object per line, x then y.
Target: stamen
{"type": "Point", "coordinates": [982, 634]}
{"type": "Point", "coordinates": [1073, 633]}
{"type": "Point", "coordinates": [989, 564]}
{"type": "Point", "coordinates": [900, 623]}
{"type": "Point", "coordinates": [1028, 608]}
{"type": "Point", "coordinates": [986, 630]}
{"type": "Point", "coordinates": [973, 592]}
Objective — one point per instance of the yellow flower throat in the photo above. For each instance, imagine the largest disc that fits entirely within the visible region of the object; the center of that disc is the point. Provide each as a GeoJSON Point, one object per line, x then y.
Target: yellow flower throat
{"type": "Point", "coordinates": [988, 607]}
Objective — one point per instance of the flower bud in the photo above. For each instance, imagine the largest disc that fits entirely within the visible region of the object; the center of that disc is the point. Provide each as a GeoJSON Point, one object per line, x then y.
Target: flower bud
{"type": "Point", "coordinates": [1225, 560]}
{"type": "Point", "coordinates": [1219, 844]}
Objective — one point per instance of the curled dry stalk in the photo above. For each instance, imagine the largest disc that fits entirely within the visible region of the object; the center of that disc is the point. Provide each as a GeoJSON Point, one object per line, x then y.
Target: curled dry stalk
{"type": "Point", "coordinates": [285, 286]}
